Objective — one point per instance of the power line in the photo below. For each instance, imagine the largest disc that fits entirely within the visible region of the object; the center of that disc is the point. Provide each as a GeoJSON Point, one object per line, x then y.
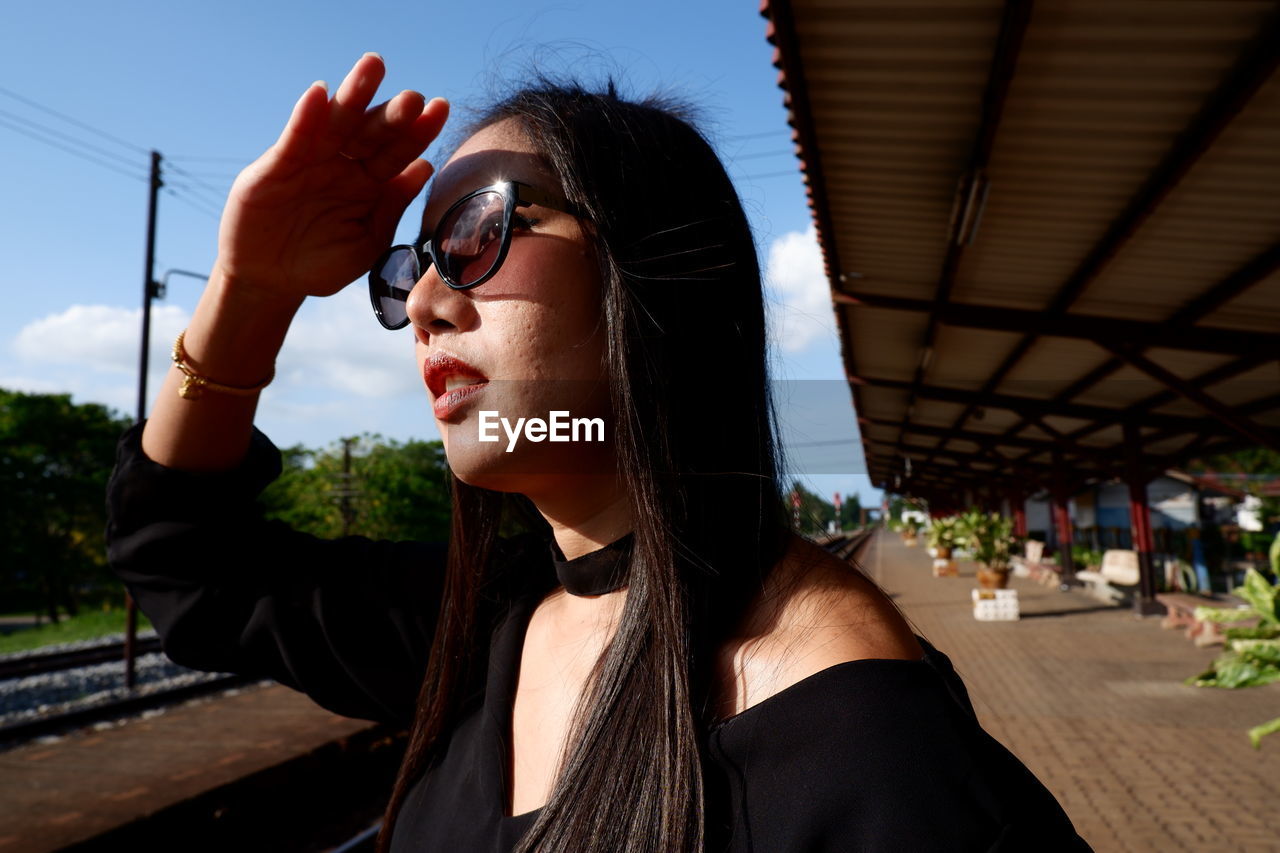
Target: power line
{"type": "Point", "coordinates": [793, 172]}
{"type": "Point", "coordinates": [834, 442]}
{"type": "Point", "coordinates": [224, 176]}
{"type": "Point", "coordinates": [196, 192]}
{"type": "Point", "coordinates": [78, 153]}
{"type": "Point", "coordinates": [758, 155]}
{"type": "Point", "coordinates": [760, 135]}
{"type": "Point", "coordinates": [39, 106]}
{"type": "Point", "coordinates": [79, 147]}
{"type": "Point", "coordinates": [195, 202]}
{"type": "Point", "coordinates": [220, 194]}
{"type": "Point", "coordinates": [211, 199]}
{"type": "Point", "coordinates": [35, 125]}
{"type": "Point", "coordinates": [199, 159]}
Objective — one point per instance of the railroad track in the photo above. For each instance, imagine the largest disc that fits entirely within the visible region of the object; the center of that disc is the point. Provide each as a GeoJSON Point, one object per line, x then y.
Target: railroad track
{"type": "Point", "coordinates": [847, 546]}
{"type": "Point", "coordinates": [18, 733]}
{"type": "Point", "coordinates": [22, 731]}
{"type": "Point", "coordinates": [58, 661]}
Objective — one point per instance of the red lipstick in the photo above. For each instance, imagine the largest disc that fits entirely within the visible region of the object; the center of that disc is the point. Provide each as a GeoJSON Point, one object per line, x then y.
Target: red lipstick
{"type": "Point", "coordinates": [438, 371]}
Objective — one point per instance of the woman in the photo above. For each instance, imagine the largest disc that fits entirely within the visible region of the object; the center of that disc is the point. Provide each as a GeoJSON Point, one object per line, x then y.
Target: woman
{"type": "Point", "coordinates": [657, 664]}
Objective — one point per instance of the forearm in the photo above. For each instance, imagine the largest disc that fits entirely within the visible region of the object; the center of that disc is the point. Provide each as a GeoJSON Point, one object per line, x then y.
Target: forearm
{"type": "Point", "coordinates": [233, 338]}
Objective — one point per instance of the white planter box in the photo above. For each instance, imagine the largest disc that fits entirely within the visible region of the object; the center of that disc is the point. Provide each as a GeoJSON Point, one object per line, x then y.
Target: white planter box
{"type": "Point", "coordinates": [995, 605]}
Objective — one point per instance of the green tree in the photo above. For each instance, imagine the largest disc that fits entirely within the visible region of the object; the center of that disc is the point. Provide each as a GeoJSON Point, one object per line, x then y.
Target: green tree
{"type": "Point", "coordinates": [55, 458]}
{"type": "Point", "coordinates": [1254, 467]}
{"type": "Point", "coordinates": [391, 490]}
{"type": "Point", "coordinates": [850, 512]}
{"type": "Point", "coordinates": [898, 504]}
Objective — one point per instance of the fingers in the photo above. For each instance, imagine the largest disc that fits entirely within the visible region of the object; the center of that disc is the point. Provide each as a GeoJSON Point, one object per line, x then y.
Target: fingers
{"type": "Point", "coordinates": [401, 190]}
{"type": "Point", "coordinates": [382, 142]}
{"type": "Point", "coordinates": [305, 124]}
{"type": "Point", "coordinates": [403, 148]}
{"type": "Point", "coordinates": [383, 123]}
{"type": "Point", "coordinates": [347, 109]}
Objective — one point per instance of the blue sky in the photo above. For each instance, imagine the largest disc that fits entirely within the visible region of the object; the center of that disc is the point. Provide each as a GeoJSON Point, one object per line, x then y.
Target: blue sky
{"type": "Point", "coordinates": [210, 85]}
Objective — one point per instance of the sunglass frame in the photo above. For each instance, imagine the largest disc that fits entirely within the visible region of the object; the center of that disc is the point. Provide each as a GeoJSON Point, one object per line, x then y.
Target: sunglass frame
{"type": "Point", "coordinates": [514, 193]}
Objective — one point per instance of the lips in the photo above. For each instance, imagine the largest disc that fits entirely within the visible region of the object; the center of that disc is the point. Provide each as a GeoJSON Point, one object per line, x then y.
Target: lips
{"type": "Point", "coordinates": [450, 381]}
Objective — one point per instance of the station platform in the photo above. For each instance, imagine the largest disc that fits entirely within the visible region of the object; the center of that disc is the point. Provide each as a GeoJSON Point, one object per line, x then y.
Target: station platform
{"type": "Point", "coordinates": [1091, 699]}
{"type": "Point", "coordinates": [66, 791]}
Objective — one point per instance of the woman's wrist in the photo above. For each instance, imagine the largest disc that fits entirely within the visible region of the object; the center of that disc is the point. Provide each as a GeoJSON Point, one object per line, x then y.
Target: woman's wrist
{"type": "Point", "coordinates": [233, 339]}
{"type": "Point", "coordinates": [257, 296]}
{"type": "Point", "coordinates": [237, 330]}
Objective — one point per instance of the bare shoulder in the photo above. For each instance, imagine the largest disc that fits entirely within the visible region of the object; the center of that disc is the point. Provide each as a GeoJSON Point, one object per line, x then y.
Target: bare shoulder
{"type": "Point", "coordinates": [816, 612]}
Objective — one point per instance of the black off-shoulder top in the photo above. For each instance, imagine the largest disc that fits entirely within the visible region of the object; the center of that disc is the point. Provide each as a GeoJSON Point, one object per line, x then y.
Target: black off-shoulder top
{"type": "Point", "coordinates": [867, 755]}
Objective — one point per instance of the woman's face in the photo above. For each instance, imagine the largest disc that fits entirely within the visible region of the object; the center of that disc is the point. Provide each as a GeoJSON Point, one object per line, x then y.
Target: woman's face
{"type": "Point", "coordinates": [532, 335]}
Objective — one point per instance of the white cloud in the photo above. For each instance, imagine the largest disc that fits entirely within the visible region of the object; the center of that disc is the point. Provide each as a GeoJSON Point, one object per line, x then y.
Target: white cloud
{"type": "Point", "coordinates": [339, 373]}
{"type": "Point", "coordinates": [30, 385]}
{"type": "Point", "coordinates": [335, 343]}
{"type": "Point", "coordinates": [100, 338]}
{"type": "Point", "coordinates": [799, 296]}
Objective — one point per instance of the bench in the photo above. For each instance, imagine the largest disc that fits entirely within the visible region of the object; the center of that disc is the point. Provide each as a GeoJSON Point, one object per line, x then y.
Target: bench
{"type": "Point", "coordinates": [1181, 613]}
{"type": "Point", "coordinates": [1116, 578]}
{"type": "Point", "coordinates": [1044, 573]}
{"type": "Point", "coordinates": [1031, 565]}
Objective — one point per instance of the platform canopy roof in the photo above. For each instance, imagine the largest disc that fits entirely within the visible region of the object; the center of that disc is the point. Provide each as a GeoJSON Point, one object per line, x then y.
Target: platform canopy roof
{"type": "Point", "coordinates": [1052, 229]}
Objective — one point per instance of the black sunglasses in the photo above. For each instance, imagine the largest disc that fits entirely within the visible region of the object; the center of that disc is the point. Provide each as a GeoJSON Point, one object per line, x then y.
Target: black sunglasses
{"type": "Point", "coordinates": [467, 248]}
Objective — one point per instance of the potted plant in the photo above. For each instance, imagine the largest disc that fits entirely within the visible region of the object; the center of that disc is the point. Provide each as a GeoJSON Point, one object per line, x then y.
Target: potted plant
{"type": "Point", "coordinates": [1253, 654]}
{"type": "Point", "coordinates": [989, 536]}
{"type": "Point", "coordinates": [910, 531]}
{"type": "Point", "coordinates": [1084, 557]}
{"type": "Point", "coordinates": [944, 536]}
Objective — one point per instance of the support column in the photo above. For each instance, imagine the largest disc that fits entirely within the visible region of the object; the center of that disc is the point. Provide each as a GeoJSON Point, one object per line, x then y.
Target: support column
{"type": "Point", "coordinates": [1018, 507]}
{"type": "Point", "coordinates": [1061, 496]}
{"type": "Point", "coordinates": [1136, 478]}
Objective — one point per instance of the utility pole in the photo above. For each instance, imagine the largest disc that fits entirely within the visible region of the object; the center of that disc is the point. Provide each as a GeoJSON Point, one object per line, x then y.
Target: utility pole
{"type": "Point", "coordinates": [345, 492]}
{"type": "Point", "coordinates": [148, 290]}
{"type": "Point", "coordinates": [148, 283]}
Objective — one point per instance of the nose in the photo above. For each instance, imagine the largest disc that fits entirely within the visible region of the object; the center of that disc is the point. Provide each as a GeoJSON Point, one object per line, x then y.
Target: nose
{"type": "Point", "coordinates": [434, 308]}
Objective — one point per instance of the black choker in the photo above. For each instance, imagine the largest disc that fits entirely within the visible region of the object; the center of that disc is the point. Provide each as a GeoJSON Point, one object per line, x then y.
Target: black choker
{"type": "Point", "coordinates": [596, 572]}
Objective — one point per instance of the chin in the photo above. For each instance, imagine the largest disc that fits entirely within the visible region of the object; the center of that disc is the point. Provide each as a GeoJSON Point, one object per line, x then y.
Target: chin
{"type": "Point", "coordinates": [528, 467]}
{"type": "Point", "coordinates": [530, 436]}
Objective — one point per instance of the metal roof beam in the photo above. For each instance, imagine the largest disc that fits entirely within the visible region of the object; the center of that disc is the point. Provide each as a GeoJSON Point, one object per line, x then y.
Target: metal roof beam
{"type": "Point", "coordinates": [991, 440]}
{"type": "Point", "coordinates": [1080, 326]}
{"type": "Point", "coordinates": [1254, 67]}
{"type": "Point", "coordinates": [1223, 413]}
{"type": "Point", "coordinates": [1229, 288]}
{"type": "Point", "coordinates": [1257, 269]}
{"type": "Point", "coordinates": [1001, 463]}
{"type": "Point", "coordinates": [973, 186]}
{"type": "Point", "coordinates": [1160, 398]}
{"type": "Point", "coordinates": [1033, 405]}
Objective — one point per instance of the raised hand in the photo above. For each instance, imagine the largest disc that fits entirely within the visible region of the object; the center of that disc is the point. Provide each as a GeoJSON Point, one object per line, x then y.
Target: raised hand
{"type": "Point", "coordinates": [312, 213]}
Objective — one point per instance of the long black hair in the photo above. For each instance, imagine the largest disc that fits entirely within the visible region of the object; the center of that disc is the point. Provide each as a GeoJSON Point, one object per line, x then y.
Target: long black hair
{"type": "Point", "coordinates": [697, 456]}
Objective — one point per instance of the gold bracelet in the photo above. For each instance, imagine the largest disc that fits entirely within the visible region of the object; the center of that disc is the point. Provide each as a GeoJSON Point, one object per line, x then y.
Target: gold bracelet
{"type": "Point", "coordinates": [195, 384]}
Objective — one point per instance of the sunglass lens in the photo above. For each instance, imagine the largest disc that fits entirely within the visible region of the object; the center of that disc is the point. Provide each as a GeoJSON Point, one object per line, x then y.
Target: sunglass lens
{"type": "Point", "coordinates": [471, 237]}
{"type": "Point", "coordinates": [389, 284]}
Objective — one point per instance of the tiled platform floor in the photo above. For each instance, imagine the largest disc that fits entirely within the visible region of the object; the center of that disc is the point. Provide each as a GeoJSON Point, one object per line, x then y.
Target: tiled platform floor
{"type": "Point", "coordinates": [1091, 699]}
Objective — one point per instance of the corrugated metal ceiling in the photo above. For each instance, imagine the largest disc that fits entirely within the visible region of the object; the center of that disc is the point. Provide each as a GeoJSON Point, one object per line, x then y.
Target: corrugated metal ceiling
{"type": "Point", "coordinates": [1040, 221]}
